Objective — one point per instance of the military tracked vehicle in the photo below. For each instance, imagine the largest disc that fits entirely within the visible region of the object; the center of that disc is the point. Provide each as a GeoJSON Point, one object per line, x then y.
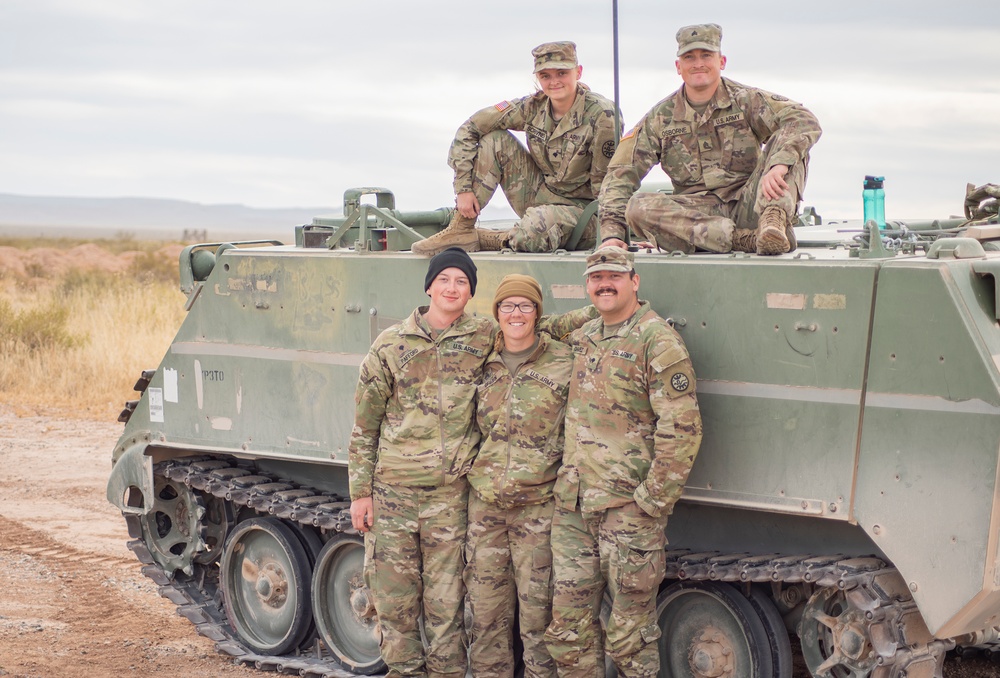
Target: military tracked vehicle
{"type": "Point", "coordinates": [845, 494]}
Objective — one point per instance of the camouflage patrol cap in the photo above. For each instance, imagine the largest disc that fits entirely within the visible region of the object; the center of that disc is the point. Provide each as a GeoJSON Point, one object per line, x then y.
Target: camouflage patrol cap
{"type": "Point", "coordinates": [699, 36]}
{"type": "Point", "coordinates": [554, 55]}
{"type": "Point", "coordinates": [610, 259]}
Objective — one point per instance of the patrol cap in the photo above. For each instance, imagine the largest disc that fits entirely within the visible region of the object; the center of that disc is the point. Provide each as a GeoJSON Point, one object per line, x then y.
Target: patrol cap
{"type": "Point", "coordinates": [554, 55]}
{"type": "Point", "coordinates": [610, 259]}
{"type": "Point", "coordinates": [699, 36]}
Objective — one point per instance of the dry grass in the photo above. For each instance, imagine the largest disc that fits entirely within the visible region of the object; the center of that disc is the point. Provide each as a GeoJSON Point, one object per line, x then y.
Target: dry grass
{"type": "Point", "coordinates": [80, 320]}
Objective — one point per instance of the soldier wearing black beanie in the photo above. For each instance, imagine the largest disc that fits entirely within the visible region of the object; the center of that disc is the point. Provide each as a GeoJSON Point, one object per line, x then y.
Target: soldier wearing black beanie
{"type": "Point", "coordinates": [453, 257]}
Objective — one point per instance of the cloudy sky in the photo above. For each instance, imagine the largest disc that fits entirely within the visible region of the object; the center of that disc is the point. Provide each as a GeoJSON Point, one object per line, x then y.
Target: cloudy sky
{"type": "Point", "coordinates": [286, 104]}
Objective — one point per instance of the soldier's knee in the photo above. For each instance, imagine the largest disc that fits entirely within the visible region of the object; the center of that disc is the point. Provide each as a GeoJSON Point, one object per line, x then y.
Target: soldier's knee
{"type": "Point", "coordinates": [565, 644]}
{"type": "Point", "coordinates": [496, 141]}
{"type": "Point", "coordinates": [536, 232]}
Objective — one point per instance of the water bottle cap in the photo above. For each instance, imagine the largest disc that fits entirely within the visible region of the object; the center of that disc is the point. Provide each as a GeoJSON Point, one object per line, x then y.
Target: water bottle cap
{"type": "Point", "coordinates": [873, 182]}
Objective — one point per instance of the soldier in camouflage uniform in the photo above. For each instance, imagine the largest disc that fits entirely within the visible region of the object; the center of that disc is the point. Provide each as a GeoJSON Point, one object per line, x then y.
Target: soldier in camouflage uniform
{"type": "Point", "coordinates": [736, 156]}
{"type": "Point", "coordinates": [632, 432]}
{"type": "Point", "coordinates": [571, 137]}
{"type": "Point", "coordinates": [522, 401]}
{"type": "Point", "coordinates": [413, 443]}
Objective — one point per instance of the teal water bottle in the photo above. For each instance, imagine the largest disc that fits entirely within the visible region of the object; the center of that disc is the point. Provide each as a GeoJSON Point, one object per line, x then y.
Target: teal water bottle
{"type": "Point", "coordinates": [874, 197]}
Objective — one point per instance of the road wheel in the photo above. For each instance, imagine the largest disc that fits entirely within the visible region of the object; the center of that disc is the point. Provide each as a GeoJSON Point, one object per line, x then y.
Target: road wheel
{"type": "Point", "coordinates": [344, 607]}
{"type": "Point", "coordinates": [266, 585]}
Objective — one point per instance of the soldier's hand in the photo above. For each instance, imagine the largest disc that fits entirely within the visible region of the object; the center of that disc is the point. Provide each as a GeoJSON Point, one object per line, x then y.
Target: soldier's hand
{"type": "Point", "coordinates": [773, 182]}
{"type": "Point", "coordinates": [362, 514]}
{"type": "Point", "coordinates": [467, 205]}
{"type": "Point", "coordinates": [614, 242]}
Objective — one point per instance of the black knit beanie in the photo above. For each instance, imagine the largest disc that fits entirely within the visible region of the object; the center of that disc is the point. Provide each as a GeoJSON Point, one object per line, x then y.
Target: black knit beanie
{"type": "Point", "coordinates": [453, 257]}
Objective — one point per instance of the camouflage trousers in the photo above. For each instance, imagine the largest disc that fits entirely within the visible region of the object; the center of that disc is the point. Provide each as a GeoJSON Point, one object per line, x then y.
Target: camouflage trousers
{"type": "Point", "coordinates": [508, 555]}
{"type": "Point", "coordinates": [413, 566]}
{"type": "Point", "coordinates": [620, 552]}
{"type": "Point", "coordinates": [702, 221]}
{"type": "Point", "coordinates": [547, 220]}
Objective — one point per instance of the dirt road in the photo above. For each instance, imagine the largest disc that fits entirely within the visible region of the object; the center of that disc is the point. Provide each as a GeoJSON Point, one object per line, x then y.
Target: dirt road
{"type": "Point", "coordinates": [72, 599]}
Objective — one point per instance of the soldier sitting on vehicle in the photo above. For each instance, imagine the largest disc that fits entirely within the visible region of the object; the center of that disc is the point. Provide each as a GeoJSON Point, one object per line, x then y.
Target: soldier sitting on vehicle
{"type": "Point", "coordinates": [737, 157]}
{"type": "Point", "coordinates": [571, 138]}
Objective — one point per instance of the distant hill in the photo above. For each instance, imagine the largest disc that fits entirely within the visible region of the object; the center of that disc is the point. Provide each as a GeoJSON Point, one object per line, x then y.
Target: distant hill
{"type": "Point", "coordinates": [49, 216]}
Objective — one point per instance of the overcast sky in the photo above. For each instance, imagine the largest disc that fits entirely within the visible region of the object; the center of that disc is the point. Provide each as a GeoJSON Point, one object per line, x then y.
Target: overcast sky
{"type": "Point", "coordinates": [288, 103]}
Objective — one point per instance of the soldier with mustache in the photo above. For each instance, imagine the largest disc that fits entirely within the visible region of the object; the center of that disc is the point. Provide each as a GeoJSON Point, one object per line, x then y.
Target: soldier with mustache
{"type": "Point", "coordinates": [632, 432]}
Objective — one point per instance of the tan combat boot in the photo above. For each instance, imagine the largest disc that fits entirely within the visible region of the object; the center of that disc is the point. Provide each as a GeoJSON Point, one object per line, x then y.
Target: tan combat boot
{"type": "Point", "coordinates": [745, 240]}
{"type": "Point", "coordinates": [491, 240]}
{"type": "Point", "coordinates": [772, 229]}
{"type": "Point", "coordinates": [461, 232]}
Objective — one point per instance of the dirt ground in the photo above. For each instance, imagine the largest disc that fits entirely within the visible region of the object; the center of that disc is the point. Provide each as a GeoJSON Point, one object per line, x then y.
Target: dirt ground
{"type": "Point", "coordinates": [72, 599]}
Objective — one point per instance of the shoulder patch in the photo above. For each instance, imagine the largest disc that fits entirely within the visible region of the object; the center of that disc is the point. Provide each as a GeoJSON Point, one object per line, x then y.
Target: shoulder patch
{"type": "Point", "coordinates": [778, 97]}
{"type": "Point", "coordinates": [630, 133]}
{"type": "Point", "coordinates": [680, 382]}
{"type": "Point", "coordinates": [679, 379]}
{"type": "Point", "coordinates": [502, 106]}
{"type": "Point", "coordinates": [608, 149]}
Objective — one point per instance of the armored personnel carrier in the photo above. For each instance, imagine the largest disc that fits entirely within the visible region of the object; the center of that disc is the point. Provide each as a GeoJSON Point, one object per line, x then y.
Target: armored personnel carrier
{"type": "Point", "coordinates": [845, 494]}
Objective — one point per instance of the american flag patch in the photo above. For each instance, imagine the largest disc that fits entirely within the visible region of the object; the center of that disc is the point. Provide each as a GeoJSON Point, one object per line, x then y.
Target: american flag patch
{"type": "Point", "coordinates": [630, 133]}
{"type": "Point", "coordinates": [502, 106]}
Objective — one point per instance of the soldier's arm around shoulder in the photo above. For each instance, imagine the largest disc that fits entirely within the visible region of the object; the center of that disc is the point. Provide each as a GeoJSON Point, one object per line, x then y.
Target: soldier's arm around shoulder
{"type": "Point", "coordinates": [678, 432]}
{"type": "Point", "coordinates": [559, 325]}
{"type": "Point", "coordinates": [371, 397]}
{"type": "Point", "coordinates": [507, 114]}
{"type": "Point", "coordinates": [790, 126]}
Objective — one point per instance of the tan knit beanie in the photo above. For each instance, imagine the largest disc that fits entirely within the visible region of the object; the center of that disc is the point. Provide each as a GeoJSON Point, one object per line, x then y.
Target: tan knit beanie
{"type": "Point", "coordinates": [517, 285]}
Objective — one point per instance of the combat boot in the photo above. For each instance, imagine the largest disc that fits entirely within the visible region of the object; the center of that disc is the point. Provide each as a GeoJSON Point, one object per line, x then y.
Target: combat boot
{"type": "Point", "coordinates": [745, 240]}
{"type": "Point", "coordinates": [491, 240]}
{"type": "Point", "coordinates": [461, 232]}
{"type": "Point", "coordinates": [772, 230]}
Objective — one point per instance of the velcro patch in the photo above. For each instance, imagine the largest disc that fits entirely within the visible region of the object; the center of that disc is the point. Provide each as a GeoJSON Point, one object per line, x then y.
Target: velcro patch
{"type": "Point", "coordinates": [406, 357]}
{"type": "Point", "coordinates": [467, 349]}
{"type": "Point", "coordinates": [681, 380]}
{"type": "Point", "coordinates": [728, 119]}
{"type": "Point", "coordinates": [536, 133]}
{"type": "Point", "coordinates": [676, 131]}
{"type": "Point", "coordinates": [618, 353]}
{"type": "Point", "coordinates": [542, 379]}
{"type": "Point", "coordinates": [671, 356]}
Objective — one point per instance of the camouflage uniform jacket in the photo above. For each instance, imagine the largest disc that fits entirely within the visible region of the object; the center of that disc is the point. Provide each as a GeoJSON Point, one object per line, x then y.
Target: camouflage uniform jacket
{"type": "Point", "coordinates": [572, 153]}
{"type": "Point", "coordinates": [714, 152]}
{"type": "Point", "coordinates": [632, 421]}
{"type": "Point", "coordinates": [415, 406]}
{"type": "Point", "coordinates": [521, 416]}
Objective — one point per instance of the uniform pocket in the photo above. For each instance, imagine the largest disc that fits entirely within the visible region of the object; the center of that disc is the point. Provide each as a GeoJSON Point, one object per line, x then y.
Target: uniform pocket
{"type": "Point", "coordinates": [370, 567]}
{"type": "Point", "coordinates": [642, 563]}
{"type": "Point", "coordinates": [541, 572]}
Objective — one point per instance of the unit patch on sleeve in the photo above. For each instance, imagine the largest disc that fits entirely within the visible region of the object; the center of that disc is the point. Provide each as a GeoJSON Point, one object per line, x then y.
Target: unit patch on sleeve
{"type": "Point", "coordinates": [680, 382]}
